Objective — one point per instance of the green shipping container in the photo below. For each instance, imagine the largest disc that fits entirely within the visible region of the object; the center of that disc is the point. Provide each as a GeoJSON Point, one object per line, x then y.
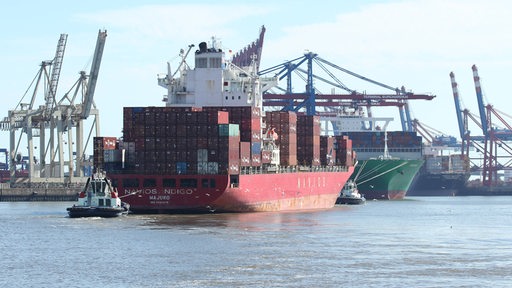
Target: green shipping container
{"type": "Point", "coordinates": [229, 130]}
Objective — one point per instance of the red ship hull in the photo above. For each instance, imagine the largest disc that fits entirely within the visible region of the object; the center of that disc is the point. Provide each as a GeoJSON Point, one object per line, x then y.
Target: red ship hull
{"type": "Point", "coordinates": [255, 192]}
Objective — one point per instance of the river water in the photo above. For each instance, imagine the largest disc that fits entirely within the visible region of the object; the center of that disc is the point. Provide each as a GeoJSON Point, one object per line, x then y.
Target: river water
{"type": "Point", "coordinates": [418, 242]}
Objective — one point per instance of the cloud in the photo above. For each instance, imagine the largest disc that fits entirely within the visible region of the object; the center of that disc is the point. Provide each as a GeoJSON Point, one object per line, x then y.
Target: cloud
{"type": "Point", "coordinates": [431, 30]}
{"type": "Point", "coordinates": [177, 22]}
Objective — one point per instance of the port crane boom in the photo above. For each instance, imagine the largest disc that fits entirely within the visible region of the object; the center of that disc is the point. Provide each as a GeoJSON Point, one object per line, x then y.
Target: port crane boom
{"type": "Point", "coordinates": [311, 98]}
{"type": "Point", "coordinates": [52, 121]}
{"type": "Point", "coordinates": [93, 75]}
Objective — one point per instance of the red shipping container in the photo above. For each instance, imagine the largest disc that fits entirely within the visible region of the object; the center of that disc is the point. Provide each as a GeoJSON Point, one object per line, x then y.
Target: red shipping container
{"type": "Point", "coordinates": [256, 160]}
{"type": "Point", "coordinates": [202, 142]}
{"type": "Point", "coordinates": [256, 112]}
{"type": "Point", "coordinates": [256, 135]}
{"type": "Point", "coordinates": [266, 156]}
{"type": "Point", "coordinates": [139, 144]}
{"type": "Point", "coordinates": [222, 117]}
{"type": "Point", "coordinates": [106, 143]}
{"type": "Point", "coordinates": [245, 154]}
{"type": "Point", "coordinates": [234, 167]}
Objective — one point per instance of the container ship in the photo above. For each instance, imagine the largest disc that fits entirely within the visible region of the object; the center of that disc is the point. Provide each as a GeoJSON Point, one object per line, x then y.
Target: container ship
{"type": "Point", "coordinates": [387, 161]}
{"type": "Point", "coordinates": [441, 175]}
{"type": "Point", "coordinates": [212, 148]}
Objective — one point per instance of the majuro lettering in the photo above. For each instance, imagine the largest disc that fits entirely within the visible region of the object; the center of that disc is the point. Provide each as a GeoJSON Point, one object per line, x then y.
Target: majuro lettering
{"type": "Point", "coordinates": [160, 197]}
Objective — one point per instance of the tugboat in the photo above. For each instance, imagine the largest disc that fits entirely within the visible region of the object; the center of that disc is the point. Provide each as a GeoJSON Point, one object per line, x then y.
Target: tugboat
{"type": "Point", "coordinates": [350, 195]}
{"type": "Point", "coordinates": [98, 199]}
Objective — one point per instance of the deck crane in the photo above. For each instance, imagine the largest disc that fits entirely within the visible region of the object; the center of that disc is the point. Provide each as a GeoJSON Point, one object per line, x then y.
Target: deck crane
{"type": "Point", "coordinates": [311, 99]}
{"type": "Point", "coordinates": [57, 117]}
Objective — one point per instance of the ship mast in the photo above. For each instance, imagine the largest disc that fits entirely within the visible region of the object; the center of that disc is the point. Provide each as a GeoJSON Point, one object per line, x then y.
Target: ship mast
{"type": "Point", "coordinates": [386, 151]}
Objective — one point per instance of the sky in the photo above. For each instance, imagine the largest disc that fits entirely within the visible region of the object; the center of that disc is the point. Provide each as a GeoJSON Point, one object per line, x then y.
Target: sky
{"type": "Point", "coordinates": [410, 43]}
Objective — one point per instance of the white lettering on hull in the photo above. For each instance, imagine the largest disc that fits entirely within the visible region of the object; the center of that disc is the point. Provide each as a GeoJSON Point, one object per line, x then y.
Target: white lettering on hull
{"type": "Point", "coordinates": [141, 191]}
{"type": "Point", "coordinates": [159, 197]}
{"type": "Point", "coordinates": [154, 191]}
{"type": "Point", "coordinates": [180, 191]}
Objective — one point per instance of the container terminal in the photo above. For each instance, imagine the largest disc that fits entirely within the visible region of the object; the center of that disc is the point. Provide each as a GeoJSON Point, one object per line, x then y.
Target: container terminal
{"type": "Point", "coordinates": [59, 125]}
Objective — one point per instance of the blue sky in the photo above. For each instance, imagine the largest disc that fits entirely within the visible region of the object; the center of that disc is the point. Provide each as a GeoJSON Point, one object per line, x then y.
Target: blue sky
{"type": "Point", "coordinates": [414, 43]}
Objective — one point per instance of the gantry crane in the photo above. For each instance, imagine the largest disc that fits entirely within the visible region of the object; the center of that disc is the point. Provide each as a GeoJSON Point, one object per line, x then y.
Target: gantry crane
{"type": "Point", "coordinates": [493, 141]}
{"type": "Point", "coordinates": [332, 103]}
{"type": "Point", "coordinates": [55, 119]}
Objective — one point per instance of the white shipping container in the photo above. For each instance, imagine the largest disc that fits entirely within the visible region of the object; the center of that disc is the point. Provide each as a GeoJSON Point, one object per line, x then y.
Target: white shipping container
{"type": "Point", "coordinates": [202, 167]}
{"type": "Point", "coordinates": [213, 167]}
{"type": "Point", "coordinates": [202, 155]}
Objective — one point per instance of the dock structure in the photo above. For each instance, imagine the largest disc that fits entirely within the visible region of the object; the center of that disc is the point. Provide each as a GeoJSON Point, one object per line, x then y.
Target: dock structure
{"type": "Point", "coordinates": [42, 193]}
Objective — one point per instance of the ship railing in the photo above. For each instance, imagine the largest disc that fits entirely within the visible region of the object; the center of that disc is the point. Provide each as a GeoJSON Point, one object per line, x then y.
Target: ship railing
{"type": "Point", "coordinates": [256, 170]}
{"type": "Point", "coordinates": [290, 169]}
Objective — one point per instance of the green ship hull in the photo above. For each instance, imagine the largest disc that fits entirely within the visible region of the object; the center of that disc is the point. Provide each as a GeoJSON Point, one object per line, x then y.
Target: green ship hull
{"type": "Point", "coordinates": [385, 178]}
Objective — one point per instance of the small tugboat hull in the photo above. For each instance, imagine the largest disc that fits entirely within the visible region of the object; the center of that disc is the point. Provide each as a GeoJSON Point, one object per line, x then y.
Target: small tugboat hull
{"type": "Point", "coordinates": [350, 201]}
{"type": "Point", "coordinates": [75, 212]}
{"type": "Point", "coordinates": [350, 194]}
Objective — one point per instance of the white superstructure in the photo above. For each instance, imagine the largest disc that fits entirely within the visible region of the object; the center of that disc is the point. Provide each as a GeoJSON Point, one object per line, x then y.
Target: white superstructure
{"type": "Point", "coordinates": [204, 86]}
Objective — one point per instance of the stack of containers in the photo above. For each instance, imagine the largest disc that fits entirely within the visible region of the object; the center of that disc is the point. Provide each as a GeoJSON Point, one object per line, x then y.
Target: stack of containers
{"type": "Point", "coordinates": [308, 135]}
{"type": "Point", "coordinates": [433, 164]}
{"type": "Point", "coordinates": [327, 151]}
{"type": "Point", "coordinates": [133, 123]}
{"type": "Point", "coordinates": [403, 139]}
{"type": "Point", "coordinates": [229, 149]}
{"type": "Point", "coordinates": [374, 139]}
{"type": "Point", "coordinates": [249, 120]}
{"type": "Point", "coordinates": [344, 153]}
{"type": "Point", "coordinates": [105, 155]}
{"type": "Point", "coordinates": [459, 162]}
{"type": "Point", "coordinates": [127, 150]}
{"type": "Point", "coordinates": [245, 154]}
{"type": "Point", "coordinates": [176, 140]}
{"type": "Point", "coordinates": [285, 125]}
